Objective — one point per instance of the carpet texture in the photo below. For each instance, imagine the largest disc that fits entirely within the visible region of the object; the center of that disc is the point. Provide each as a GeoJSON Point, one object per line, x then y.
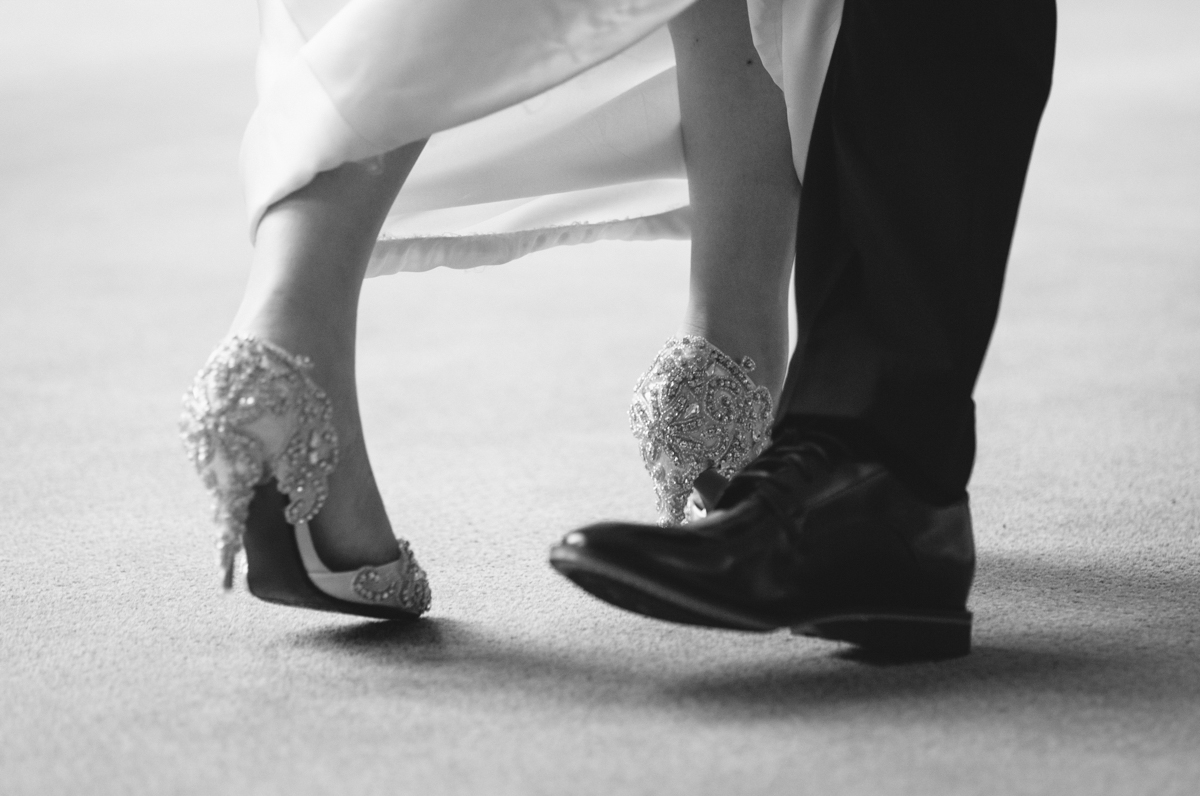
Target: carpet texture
{"type": "Point", "coordinates": [494, 403]}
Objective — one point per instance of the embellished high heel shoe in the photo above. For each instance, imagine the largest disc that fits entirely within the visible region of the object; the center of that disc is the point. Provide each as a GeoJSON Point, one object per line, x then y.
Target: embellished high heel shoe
{"type": "Point", "coordinates": [697, 415]}
{"type": "Point", "coordinates": [260, 433]}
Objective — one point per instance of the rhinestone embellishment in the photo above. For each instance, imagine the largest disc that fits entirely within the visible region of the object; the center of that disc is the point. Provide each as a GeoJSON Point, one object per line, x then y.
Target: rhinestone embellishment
{"type": "Point", "coordinates": [696, 409]}
{"type": "Point", "coordinates": [401, 583]}
{"type": "Point", "coordinates": [252, 413]}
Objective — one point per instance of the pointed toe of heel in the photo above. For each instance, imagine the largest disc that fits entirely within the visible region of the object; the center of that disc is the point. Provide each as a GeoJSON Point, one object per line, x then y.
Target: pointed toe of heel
{"type": "Point", "coordinates": [280, 570]}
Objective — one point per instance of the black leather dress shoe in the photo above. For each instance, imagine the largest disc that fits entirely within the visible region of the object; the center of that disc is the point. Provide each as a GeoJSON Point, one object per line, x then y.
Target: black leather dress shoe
{"type": "Point", "coordinates": [806, 538]}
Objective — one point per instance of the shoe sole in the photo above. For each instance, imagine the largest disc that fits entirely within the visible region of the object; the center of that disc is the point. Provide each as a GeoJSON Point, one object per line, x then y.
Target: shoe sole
{"type": "Point", "coordinates": [914, 635]}
{"type": "Point", "coordinates": [275, 571]}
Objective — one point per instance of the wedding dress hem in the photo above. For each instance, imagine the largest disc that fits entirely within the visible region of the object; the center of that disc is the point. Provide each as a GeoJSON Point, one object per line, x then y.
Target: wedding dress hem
{"type": "Point", "coordinates": [549, 122]}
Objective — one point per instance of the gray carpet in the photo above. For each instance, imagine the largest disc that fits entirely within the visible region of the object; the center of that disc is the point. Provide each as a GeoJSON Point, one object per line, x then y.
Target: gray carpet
{"type": "Point", "coordinates": [495, 408]}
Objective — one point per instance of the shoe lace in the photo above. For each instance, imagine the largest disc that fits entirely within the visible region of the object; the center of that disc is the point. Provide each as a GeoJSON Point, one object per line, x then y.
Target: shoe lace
{"type": "Point", "coordinates": [792, 459]}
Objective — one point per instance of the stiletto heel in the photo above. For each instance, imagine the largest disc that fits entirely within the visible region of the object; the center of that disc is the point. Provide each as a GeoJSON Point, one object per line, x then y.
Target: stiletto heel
{"type": "Point", "coordinates": [696, 412]}
{"type": "Point", "coordinates": [260, 434]}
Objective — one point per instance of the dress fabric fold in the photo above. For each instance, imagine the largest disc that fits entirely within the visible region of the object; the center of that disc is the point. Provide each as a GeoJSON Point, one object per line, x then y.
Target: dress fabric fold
{"type": "Point", "coordinates": [550, 122]}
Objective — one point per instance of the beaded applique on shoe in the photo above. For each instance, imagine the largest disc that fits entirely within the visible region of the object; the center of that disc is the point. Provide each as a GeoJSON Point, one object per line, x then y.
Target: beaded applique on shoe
{"type": "Point", "coordinates": [253, 413]}
{"type": "Point", "coordinates": [694, 410]}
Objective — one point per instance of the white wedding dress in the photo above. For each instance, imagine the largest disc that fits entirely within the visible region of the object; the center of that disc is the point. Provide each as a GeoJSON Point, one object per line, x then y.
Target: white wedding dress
{"type": "Point", "coordinates": [551, 122]}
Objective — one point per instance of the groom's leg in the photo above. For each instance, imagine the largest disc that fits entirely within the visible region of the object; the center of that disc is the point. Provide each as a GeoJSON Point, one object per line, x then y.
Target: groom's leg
{"type": "Point", "coordinates": [914, 175]}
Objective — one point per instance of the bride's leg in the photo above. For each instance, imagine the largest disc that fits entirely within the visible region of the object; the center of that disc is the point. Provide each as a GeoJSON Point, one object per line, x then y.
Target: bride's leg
{"type": "Point", "coordinates": [744, 192]}
{"type": "Point", "coordinates": [310, 255]}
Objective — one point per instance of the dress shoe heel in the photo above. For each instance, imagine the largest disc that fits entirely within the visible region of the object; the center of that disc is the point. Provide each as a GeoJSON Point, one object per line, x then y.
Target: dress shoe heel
{"type": "Point", "coordinates": [260, 433]}
{"type": "Point", "coordinates": [903, 637]}
{"type": "Point", "coordinates": [698, 418]}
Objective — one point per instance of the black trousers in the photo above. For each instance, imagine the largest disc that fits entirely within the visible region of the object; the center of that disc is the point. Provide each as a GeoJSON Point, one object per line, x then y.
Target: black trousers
{"type": "Point", "coordinates": [918, 158]}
